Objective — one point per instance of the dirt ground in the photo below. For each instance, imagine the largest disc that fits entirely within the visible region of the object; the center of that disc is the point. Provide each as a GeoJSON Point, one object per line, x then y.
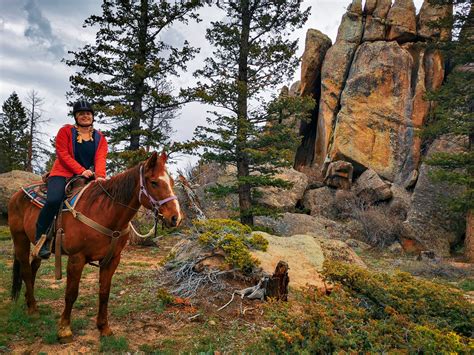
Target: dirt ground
{"type": "Point", "coordinates": [140, 319]}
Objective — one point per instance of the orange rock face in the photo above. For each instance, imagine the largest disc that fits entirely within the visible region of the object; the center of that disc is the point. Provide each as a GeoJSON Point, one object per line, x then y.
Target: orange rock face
{"type": "Point", "coordinates": [316, 45]}
{"type": "Point", "coordinates": [335, 68]}
{"type": "Point", "coordinates": [382, 107]}
{"type": "Point", "coordinates": [371, 125]}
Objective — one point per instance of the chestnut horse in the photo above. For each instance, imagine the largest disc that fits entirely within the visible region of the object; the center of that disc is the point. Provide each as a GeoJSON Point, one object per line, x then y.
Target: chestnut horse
{"type": "Point", "coordinates": [112, 204]}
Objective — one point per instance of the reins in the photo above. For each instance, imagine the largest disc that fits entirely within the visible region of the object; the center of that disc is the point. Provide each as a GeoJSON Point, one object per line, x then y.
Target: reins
{"type": "Point", "coordinates": [114, 234]}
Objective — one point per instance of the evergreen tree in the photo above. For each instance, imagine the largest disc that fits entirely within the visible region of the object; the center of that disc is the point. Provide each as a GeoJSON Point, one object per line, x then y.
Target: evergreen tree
{"type": "Point", "coordinates": [454, 110]}
{"type": "Point", "coordinates": [124, 73]}
{"type": "Point", "coordinates": [14, 133]}
{"type": "Point", "coordinates": [252, 56]}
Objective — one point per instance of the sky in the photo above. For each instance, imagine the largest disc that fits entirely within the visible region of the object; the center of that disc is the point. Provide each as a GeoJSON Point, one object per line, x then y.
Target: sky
{"type": "Point", "coordinates": [35, 35]}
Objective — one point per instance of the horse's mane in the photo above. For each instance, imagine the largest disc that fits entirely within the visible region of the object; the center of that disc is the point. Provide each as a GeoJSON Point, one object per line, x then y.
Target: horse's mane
{"type": "Point", "coordinates": [120, 186]}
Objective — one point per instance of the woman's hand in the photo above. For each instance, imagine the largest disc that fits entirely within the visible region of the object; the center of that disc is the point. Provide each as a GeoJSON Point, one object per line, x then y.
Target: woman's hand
{"type": "Point", "coordinates": [87, 173]}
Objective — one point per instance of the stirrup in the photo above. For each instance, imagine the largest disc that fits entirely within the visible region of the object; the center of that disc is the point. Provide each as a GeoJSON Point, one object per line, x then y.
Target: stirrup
{"type": "Point", "coordinates": [37, 250]}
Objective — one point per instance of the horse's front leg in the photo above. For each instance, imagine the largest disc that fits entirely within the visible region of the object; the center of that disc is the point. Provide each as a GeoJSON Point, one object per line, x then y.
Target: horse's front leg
{"type": "Point", "coordinates": [75, 266]}
{"type": "Point", "coordinates": [105, 280]}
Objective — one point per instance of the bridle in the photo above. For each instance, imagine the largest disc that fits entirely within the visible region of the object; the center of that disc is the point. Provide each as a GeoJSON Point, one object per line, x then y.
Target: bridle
{"type": "Point", "coordinates": [156, 204]}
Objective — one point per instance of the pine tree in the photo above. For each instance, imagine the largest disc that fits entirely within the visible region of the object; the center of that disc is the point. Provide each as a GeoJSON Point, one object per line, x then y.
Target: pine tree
{"type": "Point", "coordinates": [454, 110]}
{"type": "Point", "coordinates": [252, 56]}
{"type": "Point", "coordinates": [14, 133]}
{"type": "Point", "coordinates": [124, 73]}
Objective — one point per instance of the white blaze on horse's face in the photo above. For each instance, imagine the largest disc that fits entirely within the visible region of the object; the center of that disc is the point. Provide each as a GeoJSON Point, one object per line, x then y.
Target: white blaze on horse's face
{"type": "Point", "coordinates": [169, 183]}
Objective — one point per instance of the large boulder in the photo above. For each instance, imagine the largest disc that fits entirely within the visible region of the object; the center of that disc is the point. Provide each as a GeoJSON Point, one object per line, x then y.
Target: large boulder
{"type": "Point", "coordinates": [375, 19]}
{"type": "Point", "coordinates": [381, 108]}
{"type": "Point", "coordinates": [429, 219]}
{"type": "Point", "coordinates": [401, 20]}
{"type": "Point", "coordinates": [339, 250]}
{"type": "Point", "coordinates": [339, 175]}
{"type": "Point", "coordinates": [284, 199]}
{"type": "Point", "coordinates": [431, 13]}
{"type": "Point", "coordinates": [316, 45]}
{"type": "Point", "coordinates": [371, 188]}
{"type": "Point", "coordinates": [295, 223]}
{"type": "Point", "coordinates": [11, 182]}
{"type": "Point", "coordinates": [320, 202]}
{"type": "Point", "coordinates": [305, 255]}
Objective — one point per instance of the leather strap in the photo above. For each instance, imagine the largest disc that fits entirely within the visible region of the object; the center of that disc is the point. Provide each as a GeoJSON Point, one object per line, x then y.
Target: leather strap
{"type": "Point", "coordinates": [115, 235]}
{"type": "Point", "coordinates": [57, 254]}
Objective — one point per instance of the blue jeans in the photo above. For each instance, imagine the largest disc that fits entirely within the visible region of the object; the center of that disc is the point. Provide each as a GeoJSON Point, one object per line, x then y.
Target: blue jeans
{"type": "Point", "coordinates": [54, 201]}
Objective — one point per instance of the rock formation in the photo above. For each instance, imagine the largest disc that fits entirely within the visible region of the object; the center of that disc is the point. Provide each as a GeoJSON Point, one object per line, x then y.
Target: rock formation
{"type": "Point", "coordinates": [285, 199]}
{"type": "Point", "coordinates": [429, 219]}
{"type": "Point", "coordinates": [373, 80]}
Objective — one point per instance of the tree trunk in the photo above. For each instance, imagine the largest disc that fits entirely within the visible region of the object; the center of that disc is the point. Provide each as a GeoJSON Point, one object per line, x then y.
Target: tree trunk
{"type": "Point", "coordinates": [29, 164]}
{"type": "Point", "coordinates": [469, 241]}
{"type": "Point", "coordinates": [245, 203]}
{"type": "Point", "coordinates": [139, 92]}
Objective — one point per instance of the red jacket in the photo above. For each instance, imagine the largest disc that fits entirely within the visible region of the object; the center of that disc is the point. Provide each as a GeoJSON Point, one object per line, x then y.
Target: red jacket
{"type": "Point", "coordinates": [65, 164]}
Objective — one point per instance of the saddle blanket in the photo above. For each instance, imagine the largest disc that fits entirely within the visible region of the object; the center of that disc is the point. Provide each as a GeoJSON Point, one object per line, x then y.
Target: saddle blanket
{"type": "Point", "coordinates": [37, 193]}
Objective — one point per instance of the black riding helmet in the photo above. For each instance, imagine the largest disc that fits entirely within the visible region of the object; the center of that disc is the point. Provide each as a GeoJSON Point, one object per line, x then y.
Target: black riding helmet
{"type": "Point", "coordinates": [82, 105]}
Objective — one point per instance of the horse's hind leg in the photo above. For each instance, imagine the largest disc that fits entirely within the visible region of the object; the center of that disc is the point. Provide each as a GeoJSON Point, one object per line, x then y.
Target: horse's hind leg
{"type": "Point", "coordinates": [105, 280]}
{"type": "Point", "coordinates": [75, 266]}
{"type": "Point", "coordinates": [35, 264]}
{"type": "Point", "coordinates": [22, 255]}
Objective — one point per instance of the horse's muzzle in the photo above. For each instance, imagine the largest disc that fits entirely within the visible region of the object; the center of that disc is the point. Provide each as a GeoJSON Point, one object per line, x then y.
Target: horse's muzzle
{"type": "Point", "coordinates": [174, 221]}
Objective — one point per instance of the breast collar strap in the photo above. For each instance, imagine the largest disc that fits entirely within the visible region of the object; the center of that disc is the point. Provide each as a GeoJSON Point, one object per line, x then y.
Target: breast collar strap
{"type": "Point", "coordinates": [155, 203]}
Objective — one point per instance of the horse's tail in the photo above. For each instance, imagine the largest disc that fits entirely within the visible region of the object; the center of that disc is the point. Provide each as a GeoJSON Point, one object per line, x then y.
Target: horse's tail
{"type": "Point", "coordinates": [16, 280]}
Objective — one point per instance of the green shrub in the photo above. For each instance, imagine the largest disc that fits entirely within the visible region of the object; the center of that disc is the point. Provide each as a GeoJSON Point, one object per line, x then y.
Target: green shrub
{"type": "Point", "coordinates": [421, 301]}
{"type": "Point", "coordinates": [258, 241]}
{"type": "Point", "coordinates": [233, 238]}
{"type": "Point", "coordinates": [372, 313]}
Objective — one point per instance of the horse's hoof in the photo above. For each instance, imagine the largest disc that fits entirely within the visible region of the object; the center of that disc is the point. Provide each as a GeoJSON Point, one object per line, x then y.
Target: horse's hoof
{"type": "Point", "coordinates": [65, 334]}
{"type": "Point", "coordinates": [65, 340]}
{"type": "Point", "coordinates": [106, 332]}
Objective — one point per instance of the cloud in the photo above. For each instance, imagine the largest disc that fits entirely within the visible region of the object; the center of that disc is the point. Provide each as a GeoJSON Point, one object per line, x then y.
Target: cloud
{"type": "Point", "coordinates": [39, 30]}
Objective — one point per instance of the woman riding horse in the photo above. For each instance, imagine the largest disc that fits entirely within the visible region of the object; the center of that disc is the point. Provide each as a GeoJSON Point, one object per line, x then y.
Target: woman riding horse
{"type": "Point", "coordinates": [80, 150]}
{"type": "Point", "coordinates": [108, 207]}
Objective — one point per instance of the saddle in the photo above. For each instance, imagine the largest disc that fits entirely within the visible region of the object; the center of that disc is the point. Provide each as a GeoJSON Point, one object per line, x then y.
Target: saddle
{"type": "Point", "coordinates": [37, 193]}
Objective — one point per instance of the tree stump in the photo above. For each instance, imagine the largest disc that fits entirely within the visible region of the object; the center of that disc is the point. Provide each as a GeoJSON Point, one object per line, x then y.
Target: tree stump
{"type": "Point", "coordinates": [277, 286]}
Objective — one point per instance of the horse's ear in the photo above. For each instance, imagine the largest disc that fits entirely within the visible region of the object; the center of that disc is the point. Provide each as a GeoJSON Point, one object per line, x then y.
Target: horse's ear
{"type": "Point", "coordinates": [151, 161]}
{"type": "Point", "coordinates": [163, 157]}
